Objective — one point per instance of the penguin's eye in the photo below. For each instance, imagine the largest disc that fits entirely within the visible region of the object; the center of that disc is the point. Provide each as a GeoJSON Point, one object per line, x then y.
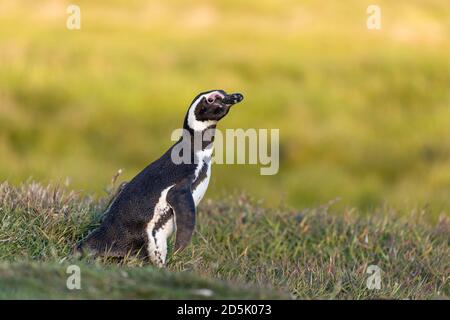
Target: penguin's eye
{"type": "Point", "coordinates": [210, 100]}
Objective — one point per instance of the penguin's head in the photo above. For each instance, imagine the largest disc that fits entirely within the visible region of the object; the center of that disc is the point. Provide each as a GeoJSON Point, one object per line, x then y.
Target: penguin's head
{"type": "Point", "coordinates": [209, 107]}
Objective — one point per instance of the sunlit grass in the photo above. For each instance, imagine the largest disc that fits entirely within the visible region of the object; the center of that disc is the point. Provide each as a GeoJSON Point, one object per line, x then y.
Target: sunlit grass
{"type": "Point", "coordinates": [322, 252]}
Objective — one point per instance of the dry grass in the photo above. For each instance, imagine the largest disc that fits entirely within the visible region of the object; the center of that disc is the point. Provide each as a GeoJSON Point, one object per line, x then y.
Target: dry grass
{"type": "Point", "coordinates": [315, 253]}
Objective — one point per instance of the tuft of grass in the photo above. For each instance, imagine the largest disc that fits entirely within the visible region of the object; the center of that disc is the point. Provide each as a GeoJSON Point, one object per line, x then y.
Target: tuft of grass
{"type": "Point", "coordinates": [309, 254]}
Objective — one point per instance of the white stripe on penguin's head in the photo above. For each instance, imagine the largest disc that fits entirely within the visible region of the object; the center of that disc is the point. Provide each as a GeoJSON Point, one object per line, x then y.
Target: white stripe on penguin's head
{"type": "Point", "coordinates": [193, 122]}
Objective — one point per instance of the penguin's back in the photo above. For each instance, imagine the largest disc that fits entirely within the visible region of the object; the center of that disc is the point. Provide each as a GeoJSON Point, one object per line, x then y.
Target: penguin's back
{"type": "Point", "coordinates": [123, 228]}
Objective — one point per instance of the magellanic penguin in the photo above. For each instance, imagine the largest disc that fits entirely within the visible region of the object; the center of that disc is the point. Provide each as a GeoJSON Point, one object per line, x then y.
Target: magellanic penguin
{"type": "Point", "coordinates": [164, 196]}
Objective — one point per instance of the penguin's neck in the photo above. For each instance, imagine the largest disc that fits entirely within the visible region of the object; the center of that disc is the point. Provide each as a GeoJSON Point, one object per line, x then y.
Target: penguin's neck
{"type": "Point", "coordinates": [201, 142]}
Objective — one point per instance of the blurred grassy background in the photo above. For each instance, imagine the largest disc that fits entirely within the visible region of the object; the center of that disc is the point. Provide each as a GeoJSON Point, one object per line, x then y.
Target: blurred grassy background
{"type": "Point", "coordinates": [363, 115]}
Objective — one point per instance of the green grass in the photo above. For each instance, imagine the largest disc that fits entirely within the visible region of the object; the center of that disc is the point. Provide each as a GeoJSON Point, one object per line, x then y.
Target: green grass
{"type": "Point", "coordinates": [48, 281]}
{"type": "Point", "coordinates": [363, 115]}
{"type": "Point", "coordinates": [241, 249]}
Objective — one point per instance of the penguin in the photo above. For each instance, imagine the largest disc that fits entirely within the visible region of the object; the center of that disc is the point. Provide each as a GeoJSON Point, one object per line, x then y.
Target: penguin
{"type": "Point", "coordinates": [164, 196]}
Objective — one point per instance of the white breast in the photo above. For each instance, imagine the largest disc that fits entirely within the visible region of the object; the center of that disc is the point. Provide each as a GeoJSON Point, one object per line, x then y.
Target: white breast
{"type": "Point", "coordinates": [203, 159]}
{"type": "Point", "coordinates": [161, 209]}
{"type": "Point", "coordinates": [201, 188]}
{"type": "Point", "coordinates": [157, 239]}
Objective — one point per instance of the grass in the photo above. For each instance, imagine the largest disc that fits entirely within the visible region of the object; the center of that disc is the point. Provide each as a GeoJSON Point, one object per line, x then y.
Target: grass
{"type": "Point", "coordinates": [241, 249]}
{"type": "Point", "coordinates": [363, 115]}
{"type": "Point", "coordinates": [48, 281]}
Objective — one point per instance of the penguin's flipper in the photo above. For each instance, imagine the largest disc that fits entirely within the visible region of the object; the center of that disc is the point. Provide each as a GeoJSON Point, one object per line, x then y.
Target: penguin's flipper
{"type": "Point", "coordinates": [182, 203]}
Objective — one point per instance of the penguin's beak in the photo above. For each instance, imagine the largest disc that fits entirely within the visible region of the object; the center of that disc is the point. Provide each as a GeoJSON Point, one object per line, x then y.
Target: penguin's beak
{"type": "Point", "coordinates": [233, 98]}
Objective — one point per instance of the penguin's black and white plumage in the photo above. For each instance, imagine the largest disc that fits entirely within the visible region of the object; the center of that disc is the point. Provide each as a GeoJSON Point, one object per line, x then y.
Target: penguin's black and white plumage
{"type": "Point", "coordinates": [164, 196]}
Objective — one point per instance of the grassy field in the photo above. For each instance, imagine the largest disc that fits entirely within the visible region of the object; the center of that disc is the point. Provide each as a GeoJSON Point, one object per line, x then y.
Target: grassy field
{"type": "Point", "coordinates": [240, 250]}
{"type": "Point", "coordinates": [363, 115]}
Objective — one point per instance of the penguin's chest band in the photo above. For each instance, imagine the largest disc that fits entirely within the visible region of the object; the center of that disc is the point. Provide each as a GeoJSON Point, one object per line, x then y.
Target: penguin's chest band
{"type": "Point", "coordinates": [201, 182]}
{"type": "Point", "coordinates": [202, 175]}
{"type": "Point", "coordinates": [159, 229]}
{"type": "Point", "coordinates": [162, 219]}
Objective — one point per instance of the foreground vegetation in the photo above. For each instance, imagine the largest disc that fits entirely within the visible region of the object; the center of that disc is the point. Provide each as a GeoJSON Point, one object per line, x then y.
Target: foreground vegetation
{"type": "Point", "coordinates": [282, 253]}
{"type": "Point", "coordinates": [363, 115]}
{"type": "Point", "coordinates": [48, 281]}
